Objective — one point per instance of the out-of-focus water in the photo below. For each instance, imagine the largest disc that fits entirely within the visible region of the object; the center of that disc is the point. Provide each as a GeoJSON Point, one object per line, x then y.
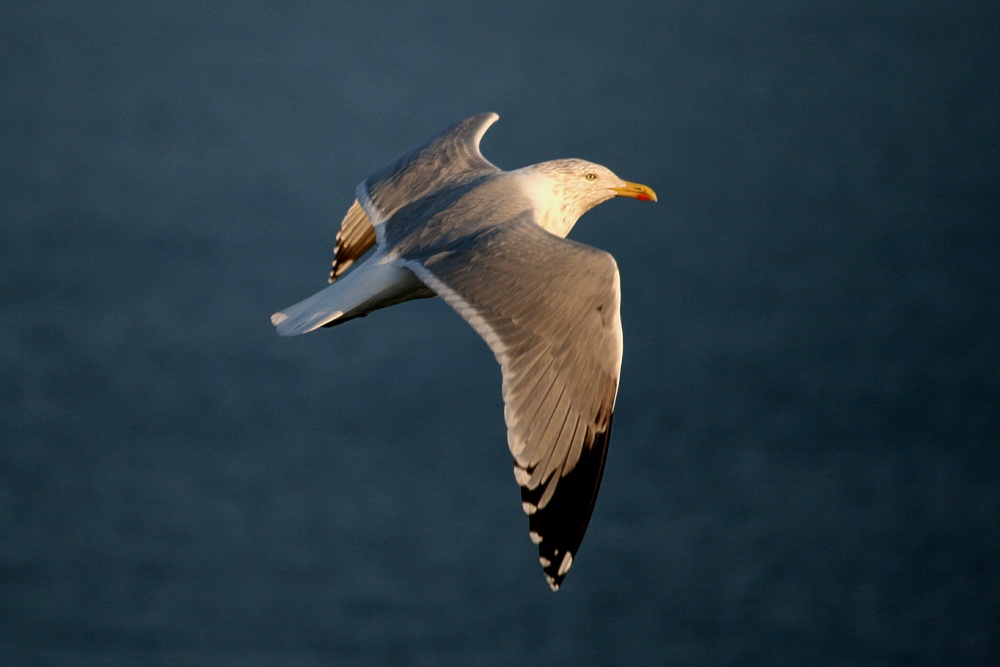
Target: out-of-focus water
{"type": "Point", "coordinates": [804, 468]}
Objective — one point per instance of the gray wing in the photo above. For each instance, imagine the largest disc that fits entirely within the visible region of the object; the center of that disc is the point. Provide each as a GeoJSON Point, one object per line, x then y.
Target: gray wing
{"type": "Point", "coordinates": [446, 160]}
{"type": "Point", "coordinates": [355, 238]}
{"type": "Point", "coordinates": [549, 310]}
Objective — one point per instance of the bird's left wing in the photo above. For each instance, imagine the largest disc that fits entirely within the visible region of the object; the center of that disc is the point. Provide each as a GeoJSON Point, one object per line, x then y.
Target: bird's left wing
{"type": "Point", "coordinates": [549, 310]}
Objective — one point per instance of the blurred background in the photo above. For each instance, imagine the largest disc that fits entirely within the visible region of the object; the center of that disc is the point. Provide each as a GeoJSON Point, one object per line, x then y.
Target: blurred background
{"type": "Point", "coordinates": [805, 465]}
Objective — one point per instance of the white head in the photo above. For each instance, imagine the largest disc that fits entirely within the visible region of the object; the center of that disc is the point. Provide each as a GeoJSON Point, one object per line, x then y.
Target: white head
{"type": "Point", "coordinates": [563, 190]}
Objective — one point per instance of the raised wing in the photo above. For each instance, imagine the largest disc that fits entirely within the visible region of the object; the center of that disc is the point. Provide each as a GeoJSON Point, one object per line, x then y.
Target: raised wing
{"type": "Point", "coordinates": [549, 310]}
{"type": "Point", "coordinates": [355, 238]}
{"type": "Point", "coordinates": [446, 160]}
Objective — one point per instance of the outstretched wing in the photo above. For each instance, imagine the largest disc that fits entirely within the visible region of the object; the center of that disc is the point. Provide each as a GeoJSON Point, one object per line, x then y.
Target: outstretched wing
{"type": "Point", "coordinates": [549, 310]}
{"type": "Point", "coordinates": [355, 238]}
{"type": "Point", "coordinates": [446, 160]}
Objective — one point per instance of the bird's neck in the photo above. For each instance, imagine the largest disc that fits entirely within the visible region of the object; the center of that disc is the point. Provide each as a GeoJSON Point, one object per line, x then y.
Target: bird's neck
{"type": "Point", "coordinates": [556, 214]}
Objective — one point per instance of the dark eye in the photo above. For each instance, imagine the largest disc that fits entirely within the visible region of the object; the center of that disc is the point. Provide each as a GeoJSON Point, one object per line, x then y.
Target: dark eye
{"type": "Point", "coordinates": [591, 176]}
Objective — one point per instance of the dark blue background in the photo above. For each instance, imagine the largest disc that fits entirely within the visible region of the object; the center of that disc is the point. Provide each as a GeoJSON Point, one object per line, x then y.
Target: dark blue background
{"type": "Point", "coordinates": [804, 468]}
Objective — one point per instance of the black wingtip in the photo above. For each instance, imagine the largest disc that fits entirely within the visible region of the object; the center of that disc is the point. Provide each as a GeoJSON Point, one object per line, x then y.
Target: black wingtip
{"type": "Point", "coordinates": [559, 527]}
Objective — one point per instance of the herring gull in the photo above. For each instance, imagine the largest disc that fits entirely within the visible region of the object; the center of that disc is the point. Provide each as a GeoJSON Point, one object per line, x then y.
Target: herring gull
{"type": "Point", "coordinates": [446, 222]}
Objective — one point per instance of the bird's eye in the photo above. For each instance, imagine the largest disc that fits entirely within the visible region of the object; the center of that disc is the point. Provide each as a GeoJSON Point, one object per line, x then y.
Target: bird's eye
{"type": "Point", "coordinates": [591, 176]}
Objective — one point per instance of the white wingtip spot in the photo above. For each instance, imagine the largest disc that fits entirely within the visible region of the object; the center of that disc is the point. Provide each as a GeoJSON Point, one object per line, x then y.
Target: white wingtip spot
{"type": "Point", "coordinates": [278, 318]}
{"type": "Point", "coordinates": [552, 583]}
{"type": "Point", "coordinates": [567, 562]}
{"type": "Point", "coordinates": [544, 561]}
{"type": "Point", "coordinates": [528, 508]}
{"type": "Point", "coordinates": [535, 537]}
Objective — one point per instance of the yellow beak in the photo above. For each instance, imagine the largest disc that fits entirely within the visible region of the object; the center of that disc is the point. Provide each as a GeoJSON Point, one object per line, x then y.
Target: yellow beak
{"type": "Point", "coordinates": [636, 191]}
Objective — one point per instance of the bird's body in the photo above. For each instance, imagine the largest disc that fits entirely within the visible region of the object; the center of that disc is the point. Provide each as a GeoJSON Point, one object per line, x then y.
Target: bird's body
{"type": "Point", "coordinates": [444, 221]}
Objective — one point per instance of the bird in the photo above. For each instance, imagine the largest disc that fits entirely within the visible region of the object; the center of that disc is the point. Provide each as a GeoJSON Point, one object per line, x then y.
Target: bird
{"type": "Point", "coordinates": [445, 222]}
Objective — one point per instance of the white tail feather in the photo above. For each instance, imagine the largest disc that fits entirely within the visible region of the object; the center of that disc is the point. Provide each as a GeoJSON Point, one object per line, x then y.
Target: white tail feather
{"type": "Point", "coordinates": [374, 284]}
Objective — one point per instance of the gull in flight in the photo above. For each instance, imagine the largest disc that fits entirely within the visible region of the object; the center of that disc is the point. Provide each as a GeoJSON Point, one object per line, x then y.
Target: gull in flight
{"type": "Point", "coordinates": [446, 222]}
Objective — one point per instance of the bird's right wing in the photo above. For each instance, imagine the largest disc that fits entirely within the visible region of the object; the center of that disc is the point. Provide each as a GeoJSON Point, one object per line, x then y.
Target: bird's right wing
{"type": "Point", "coordinates": [446, 160]}
{"type": "Point", "coordinates": [355, 238]}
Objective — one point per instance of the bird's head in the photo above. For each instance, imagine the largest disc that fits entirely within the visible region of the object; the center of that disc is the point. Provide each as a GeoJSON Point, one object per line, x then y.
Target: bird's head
{"type": "Point", "coordinates": [566, 189]}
